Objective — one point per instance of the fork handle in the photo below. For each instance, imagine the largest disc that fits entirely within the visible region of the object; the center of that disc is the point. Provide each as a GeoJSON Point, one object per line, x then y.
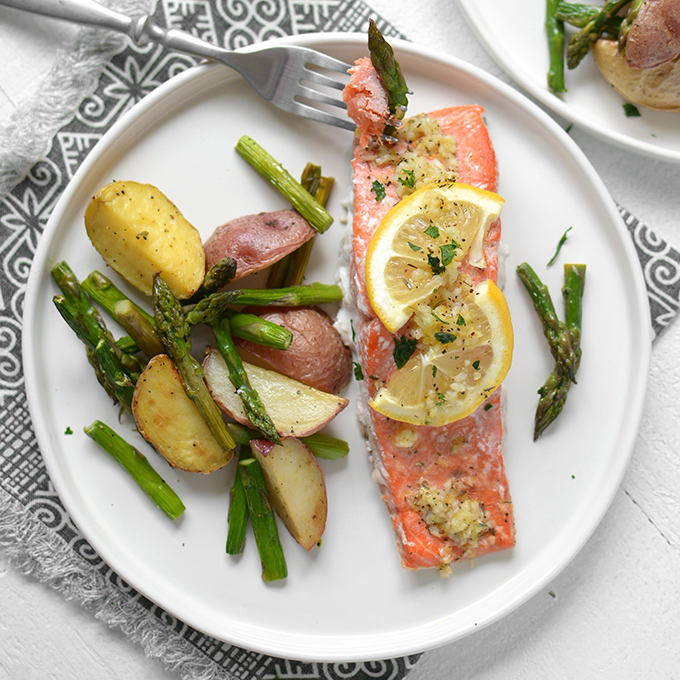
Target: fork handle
{"type": "Point", "coordinates": [140, 29]}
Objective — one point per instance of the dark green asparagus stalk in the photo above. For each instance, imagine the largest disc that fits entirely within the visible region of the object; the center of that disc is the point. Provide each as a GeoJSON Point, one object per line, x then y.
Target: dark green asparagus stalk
{"type": "Point", "coordinates": [86, 321]}
{"type": "Point", "coordinates": [237, 518]}
{"type": "Point", "coordinates": [140, 329]}
{"type": "Point", "coordinates": [105, 293]}
{"type": "Point", "coordinates": [277, 175]}
{"type": "Point", "coordinates": [218, 276]}
{"type": "Point", "coordinates": [212, 307]}
{"type": "Point", "coordinates": [627, 22]}
{"type": "Point", "coordinates": [290, 270]}
{"type": "Point", "coordinates": [554, 28]}
{"type": "Point", "coordinates": [255, 328]}
{"type": "Point", "coordinates": [264, 521]}
{"type": "Point", "coordinates": [554, 330]}
{"type": "Point", "coordinates": [174, 332]}
{"type": "Point", "coordinates": [252, 404]}
{"type": "Point", "coordinates": [553, 394]}
{"type": "Point", "coordinates": [575, 14]}
{"type": "Point", "coordinates": [139, 468]}
{"type": "Point", "coordinates": [580, 43]}
{"type": "Point", "coordinates": [389, 71]}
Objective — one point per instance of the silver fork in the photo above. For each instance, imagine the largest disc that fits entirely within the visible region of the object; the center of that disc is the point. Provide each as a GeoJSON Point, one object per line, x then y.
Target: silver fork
{"type": "Point", "coordinates": [287, 76]}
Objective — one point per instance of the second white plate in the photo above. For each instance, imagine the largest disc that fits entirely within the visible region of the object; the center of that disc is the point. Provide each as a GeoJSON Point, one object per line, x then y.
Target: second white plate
{"type": "Point", "coordinates": [513, 33]}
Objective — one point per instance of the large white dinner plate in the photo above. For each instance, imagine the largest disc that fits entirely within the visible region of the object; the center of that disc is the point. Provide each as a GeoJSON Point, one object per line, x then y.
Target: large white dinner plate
{"type": "Point", "coordinates": [350, 599]}
{"type": "Point", "coordinates": [512, 32]}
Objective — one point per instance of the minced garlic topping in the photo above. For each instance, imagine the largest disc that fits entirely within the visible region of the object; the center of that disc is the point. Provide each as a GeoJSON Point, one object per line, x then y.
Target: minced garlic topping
{"type": "Point", "coordinates": [429, 155]}
{"type": "Point", "coordinates": [452, 514]}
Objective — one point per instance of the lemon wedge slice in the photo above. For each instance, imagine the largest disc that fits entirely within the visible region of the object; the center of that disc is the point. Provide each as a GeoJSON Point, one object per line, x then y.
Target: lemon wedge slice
{"type": "Point", "coordinates": [420, 243]}
{"type": "Point", "coordinates": [463, 352]}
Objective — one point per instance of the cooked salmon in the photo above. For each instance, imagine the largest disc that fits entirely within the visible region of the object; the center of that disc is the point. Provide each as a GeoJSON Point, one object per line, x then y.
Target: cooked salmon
{"type": "Point", "coordinates": [444, 487]}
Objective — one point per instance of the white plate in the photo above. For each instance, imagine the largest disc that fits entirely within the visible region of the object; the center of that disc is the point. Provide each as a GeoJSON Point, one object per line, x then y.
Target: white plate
{"type": "Point", "coordinates": [512, 32]}
{"type": "Point", "coordinates": [350, 599]}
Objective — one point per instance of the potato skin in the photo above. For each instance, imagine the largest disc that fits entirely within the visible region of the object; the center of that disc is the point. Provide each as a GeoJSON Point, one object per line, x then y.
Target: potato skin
{"type": "Point", "coordinates": [654, 36]}
{"type": "Point", "coordinates": [316, 355]}
{"type": "Point", "coordinates": [257, 241]}
{"type": "Point", "coordinates": [140, 232]}
{"type": "Point", "coordinates": [656, 88]}
{"type": "Point", "coordinates": [170, 421]}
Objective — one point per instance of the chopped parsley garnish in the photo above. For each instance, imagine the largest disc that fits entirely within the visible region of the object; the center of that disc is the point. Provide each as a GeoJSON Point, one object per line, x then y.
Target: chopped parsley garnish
{"type": "Point", "coordinates": [475, 365]}
{"type": "Point", "coordinates": [488, 406]}
{"type": "Point", "coordinates": [68, 430]}
{"type": "Point", "coordinates": [434, 314]}
{"type": "Point", "coordinates": [403, 350]}
{"type": "Point", "coordinates": [434, 371]}
{"type": "Point", "coordinates": [378, 188]}
{"type": "Point", "coordinates": [351, 325]}
{"type": "Point", "coordinates": [460, 321]}
{"type": "Point", "coordinates": [414, 247]}
{"type": "Point", "coordinates": [432, 231]}
{"type": "Point", "coordinates": [631, 110]}
{"type": "Point", "coordinates": [560, 243]}
{"type": "Point", "coordinates": [448, 250]}
{"type": "Point", "coordinates": [444, 337]}
{"type": "Point", "coordinates": [358, 373]}
{"type": "Point", "coordinates": [435, 264]}
{"type": "Point", "coordinates": [407, 178]}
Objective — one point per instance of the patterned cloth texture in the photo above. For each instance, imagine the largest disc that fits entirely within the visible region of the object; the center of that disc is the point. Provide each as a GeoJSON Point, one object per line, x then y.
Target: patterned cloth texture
{"type": "Point", "coordinates": [34, 527]}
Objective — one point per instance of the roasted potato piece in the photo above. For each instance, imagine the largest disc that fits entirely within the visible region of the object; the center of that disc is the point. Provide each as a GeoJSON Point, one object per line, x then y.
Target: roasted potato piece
{"type": "Point", "coordinates": [654, 36]}
{"type": "Point", "coordinates": [140, 232]}
{"type": "Point", "coordinates": [257, 241]}
{"type": "Point", "coordinates": [316, 355]}
{"type": "Point", "coordinates": [296, 487]}
{"type": "Point", "coordinates": [655, 88]}
{"type": "Point", "coordinates": [170, 421]}
{"type": "Point", "coordinates": [296, 409]}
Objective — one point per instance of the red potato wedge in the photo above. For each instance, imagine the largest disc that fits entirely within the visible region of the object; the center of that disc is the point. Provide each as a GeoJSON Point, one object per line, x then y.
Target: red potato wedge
{"type": "Point", "coordinates": [656, 88]}
{"type": "Point", "coordinates": [316, 355]}
{"type": "Point", "coordinates": [257, 241]}
{"type": "Point", "coordinates": [654, 36]}
{"type": "Point", "coordinates": [170, 421]}
{"type": "Point", "coordinates": [296, 409]}
{"type": "Point", "coordinates": [140, 232]}
{"type": "Point", "coordinates": [296, 487]}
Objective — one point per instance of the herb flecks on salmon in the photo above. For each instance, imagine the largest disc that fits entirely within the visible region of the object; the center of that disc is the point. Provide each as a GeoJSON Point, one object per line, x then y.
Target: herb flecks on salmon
{"type": "Point", "coordinates": [445, 487]}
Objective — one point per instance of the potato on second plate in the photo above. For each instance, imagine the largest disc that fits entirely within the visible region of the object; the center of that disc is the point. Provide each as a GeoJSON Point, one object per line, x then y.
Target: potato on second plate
{"type": "Point", "coordinates": [140, 232]}
{"type": "Point", "coordinates": [296, 487]}
{"type": "Point", "coordinates": [170, 421]}
{"type": "Point", "coordinates": [296, 409]}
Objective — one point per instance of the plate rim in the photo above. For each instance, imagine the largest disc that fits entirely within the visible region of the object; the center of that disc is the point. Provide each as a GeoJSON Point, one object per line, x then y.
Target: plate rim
{"type": "Point", "coordinates": [343, 648]}
{"type": "Point", "coordinates": [471, 11]}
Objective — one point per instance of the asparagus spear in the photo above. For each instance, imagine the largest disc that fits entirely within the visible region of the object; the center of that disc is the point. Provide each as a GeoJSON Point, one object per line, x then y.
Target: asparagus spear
{"type": "Point", "coordinates": [174, 331]}
{"type": "Point", "coordinates": [139, 468]}
{"type": "Point", "coordinates": [213, 306]}
{"type": "Point", "coordinates": [389, 71]}
{"type": "Point", "coordinates": [238, 511]}
{"type": "Point", "coordinates": [628, 21]}
{"type": "Point", "coordinates": [264, 521]}
{"type": "Point", "coordinates": [553, 394]}
{"type": "Point", "coordinates": [218, 276]}
{"type": "Point", "coordinates": [554, 28]}
{"type": "Point", "coordinates": [252, 404]}
{"type": "Point", "coordinates": [581, 41]}
{"type": "Point", "coordinates": [272, 170]}
{"type": "Point", "coordinates": [290, 270]}
{"type": "Point", "coordinates": [554, 330]}
{"type": "Point", "coordinates": [140, 329]}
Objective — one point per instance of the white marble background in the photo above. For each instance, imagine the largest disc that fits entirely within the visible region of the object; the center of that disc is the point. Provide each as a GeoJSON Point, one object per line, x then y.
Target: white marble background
{"type": "Point", "coordinates": [615, 610]}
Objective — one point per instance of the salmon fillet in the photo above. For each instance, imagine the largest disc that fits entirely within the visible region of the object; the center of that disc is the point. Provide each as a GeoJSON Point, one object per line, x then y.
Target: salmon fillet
{"type": "Point", "coordinates": [421, 469]}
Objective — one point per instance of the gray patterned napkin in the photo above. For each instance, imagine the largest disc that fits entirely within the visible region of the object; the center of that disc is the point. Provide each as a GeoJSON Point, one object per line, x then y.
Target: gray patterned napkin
{"type": "Point", "coordinates": [36, 531]}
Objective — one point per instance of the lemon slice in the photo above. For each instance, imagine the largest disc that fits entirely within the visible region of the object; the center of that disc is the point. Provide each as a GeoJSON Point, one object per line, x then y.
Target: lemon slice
{"type": "Point", "coordinates": [463, 353]}
{"type": "Point", "coordinates": [420, 243]}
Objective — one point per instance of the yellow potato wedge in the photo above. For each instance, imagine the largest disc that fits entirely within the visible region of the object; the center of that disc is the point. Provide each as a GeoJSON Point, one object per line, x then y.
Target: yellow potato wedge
{"type": "Point", "coordinates": [296, 487]}
{"type": "Point", "coordinates": [296, 409]}
{"type": "Point", "coordinates": [140, 232]}
{"type": "Point", "coordinates": [170, 421]}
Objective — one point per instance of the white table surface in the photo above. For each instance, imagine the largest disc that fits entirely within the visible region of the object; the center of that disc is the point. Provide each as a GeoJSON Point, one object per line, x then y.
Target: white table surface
{"type": "Point", "coordinates": [614, 612]}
